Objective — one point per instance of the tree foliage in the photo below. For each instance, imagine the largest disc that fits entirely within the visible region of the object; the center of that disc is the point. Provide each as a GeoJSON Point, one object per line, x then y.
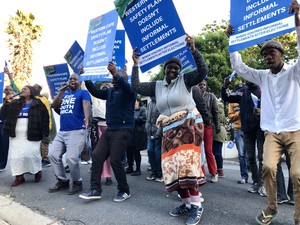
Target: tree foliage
{"type": "Point", "coordinates": [23, 36]}
{"type": "Point", "coordinates": [213, 44]}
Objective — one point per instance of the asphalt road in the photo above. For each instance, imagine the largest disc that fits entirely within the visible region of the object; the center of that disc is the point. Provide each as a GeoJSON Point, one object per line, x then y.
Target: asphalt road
{"type": "Point", "coordinates": [226, 202]}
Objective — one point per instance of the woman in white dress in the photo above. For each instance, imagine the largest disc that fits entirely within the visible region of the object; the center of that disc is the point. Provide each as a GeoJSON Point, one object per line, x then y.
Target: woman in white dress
{"type": "Point", "coordinates": [26, 124]}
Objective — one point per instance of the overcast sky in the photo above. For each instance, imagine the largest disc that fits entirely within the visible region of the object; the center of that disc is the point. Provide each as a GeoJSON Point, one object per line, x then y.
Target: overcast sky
{"type": "Point", "coordinates": [66, 21]}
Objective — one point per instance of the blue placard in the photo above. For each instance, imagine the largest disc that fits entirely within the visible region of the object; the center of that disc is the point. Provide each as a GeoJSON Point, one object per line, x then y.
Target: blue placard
{"type": "Point", "coordinates": [1, 86]}
{"type": "Point", "coordinates": [99, 46]}
{"type": "Point", "coordinates": [74, 57]}
{"type": "Point", "coordinates": [257, 21]}
{"type": "Point", "coordinates": [187, 60]}
{"type": "Point", "coordinates": [119, 50]}
{"type": "Point", "coordinates": [55, 75]}
{"type": "Point", "coordinates": [154, 27]}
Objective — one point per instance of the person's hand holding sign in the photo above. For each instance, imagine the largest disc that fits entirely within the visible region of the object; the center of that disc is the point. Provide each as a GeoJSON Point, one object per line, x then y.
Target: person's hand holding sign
{"type": "Point", "coordinates": [135, 57]}
{"type": "Point", "coordinates": [190, 42]}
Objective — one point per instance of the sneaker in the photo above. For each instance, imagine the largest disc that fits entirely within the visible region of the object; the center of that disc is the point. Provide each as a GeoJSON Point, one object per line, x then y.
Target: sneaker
{"type": "Point", "coordinates": [254, 188]}
{"type": "Point", "coordinates": [282, 200]}
{"type": "Point", "coordinates": [75, 188]}
{"type": "Point", "coordinates": [151, 177]}
{"type": "Point", "coordinates": [108, 181]}
{"type": "Point", "coordinates": [1, 170]}
{"type": "Point", "coordinates": [84, 162]}
{"type": "Point", "coordinates": [291, 202]}
{"type": "Point", "coordinates": [59, 186]}
{"type": "Point", "coordinates": [242, 181]}
{"type": "Point", "coordinates": [214, 178]}
{"type": "Point", "coordinates": [262, 191]}
{"type": "Point", "coordinates": [45, 163]}
{"type": "Point", "coordinates": [195, 215]}
{"type": "Point", "coordinates": [91, 194]}
{"type": "Point", "coordinates": [180, 210]}
{"type": "Point", "coordinates": [159, 179]}
{"type": "Point", "coordinates": [121, 196]}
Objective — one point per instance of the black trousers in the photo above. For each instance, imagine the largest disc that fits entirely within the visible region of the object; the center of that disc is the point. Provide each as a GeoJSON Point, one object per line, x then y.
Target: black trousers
{"type": "Point", "coordinates": [113, 143]}
{"type": "Point", "coordinates": [252, 141]}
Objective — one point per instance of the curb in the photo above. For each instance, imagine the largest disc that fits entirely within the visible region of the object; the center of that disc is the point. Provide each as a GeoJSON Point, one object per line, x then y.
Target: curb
{"type": "Point", "coordinates": [12, 213]}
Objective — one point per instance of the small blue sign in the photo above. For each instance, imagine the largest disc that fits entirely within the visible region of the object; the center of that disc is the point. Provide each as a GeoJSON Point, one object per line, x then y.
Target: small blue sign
{"type": "Point", "coordinates": [56, 75]}
{"type": "Point", "coordinates": [74, 57]}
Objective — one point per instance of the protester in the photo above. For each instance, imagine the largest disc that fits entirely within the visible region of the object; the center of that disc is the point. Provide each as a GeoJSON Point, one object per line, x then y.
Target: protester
{"type": "Point", "coordinates": [234, 116]}
{"type": "Point", "coordinates": [98, 127]}
{"type": "Point", "coordinates": [120, 100]}
{"type": "Point", "coordinates": [154, 141]}
{"type": "Point", "coordinates": [26, 124]}
{"type": "Point", "coordinates": [219, 139]}
{"type": "Point", "coordinates": [179, 118]}
{"type": "Point", "coordinates": [9, 90]}
{"type": "Point", "coordinates": [44, 148]}
{"type": "Point", "coordinates": [250, 121]}
{"type": "Point", "coordinates": [280, 114]}
{"type": "Point", "coordinates": [4, 140]}
{"type": "Point", "coordinates": [207, 120]}
{"type": "Point", "coordinates": [138, 141]}
{"type": "Point", "coordinates": [75, 107]}
{"type": "Point", "coordinates": [212, 108]}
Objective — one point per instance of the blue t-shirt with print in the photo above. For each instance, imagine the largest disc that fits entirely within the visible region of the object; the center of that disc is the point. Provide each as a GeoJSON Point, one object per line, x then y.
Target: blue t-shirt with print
{"type": "Point", "coordinates": [71, 110]}
{"type": "Point", "coordinates": [24, 111]}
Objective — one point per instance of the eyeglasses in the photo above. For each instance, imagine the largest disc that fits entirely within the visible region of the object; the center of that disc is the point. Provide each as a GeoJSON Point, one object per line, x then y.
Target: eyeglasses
{"type": "Point", "coordinates": [170, 67]}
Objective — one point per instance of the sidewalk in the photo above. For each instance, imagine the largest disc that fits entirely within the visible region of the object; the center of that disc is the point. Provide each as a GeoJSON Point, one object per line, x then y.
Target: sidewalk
{"type": "Point", "coordinates": [12, 213]}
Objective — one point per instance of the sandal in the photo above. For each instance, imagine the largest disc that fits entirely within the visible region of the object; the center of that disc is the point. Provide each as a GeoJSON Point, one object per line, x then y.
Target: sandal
{"type": "Point", "coordinates": [265, 219]}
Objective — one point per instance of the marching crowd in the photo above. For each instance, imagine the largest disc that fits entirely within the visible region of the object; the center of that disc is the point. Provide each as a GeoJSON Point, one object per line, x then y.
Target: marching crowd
{"type": "Point", "coordinates": [180, 127]}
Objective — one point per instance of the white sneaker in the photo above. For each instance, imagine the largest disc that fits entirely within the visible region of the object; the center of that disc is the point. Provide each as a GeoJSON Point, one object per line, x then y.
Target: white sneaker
{"type": "Point", "coordinates": [83, 162]}
{"type": "Point", "coordinates": [214, 178]}
{"type": "Point", "coordinates": [262, 191]}
{"type": "Point", "coordinates": [159, 179]}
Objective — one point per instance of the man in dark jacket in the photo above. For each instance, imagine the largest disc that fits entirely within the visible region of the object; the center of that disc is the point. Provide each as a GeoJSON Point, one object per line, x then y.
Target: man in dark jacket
{"type": "Point", "coordinates": [120, 100]}
{"type": "Point", "coordinates": [247, 97]}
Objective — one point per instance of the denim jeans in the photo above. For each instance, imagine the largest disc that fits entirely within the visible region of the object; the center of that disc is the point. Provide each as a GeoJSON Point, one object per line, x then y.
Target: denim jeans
{"type": "Point", "coordinates": [252, 140]}
{"type": "Point", "coordinates": [154, 154]}
{"type": "Point", "coordinates": [217, 150]}
{"type": "Point", "coordinates": [243, 156]}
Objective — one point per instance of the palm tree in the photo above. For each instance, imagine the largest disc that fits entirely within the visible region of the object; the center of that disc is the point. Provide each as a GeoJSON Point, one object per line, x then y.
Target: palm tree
{"type": "Point", "coordinates": [23, 36]}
